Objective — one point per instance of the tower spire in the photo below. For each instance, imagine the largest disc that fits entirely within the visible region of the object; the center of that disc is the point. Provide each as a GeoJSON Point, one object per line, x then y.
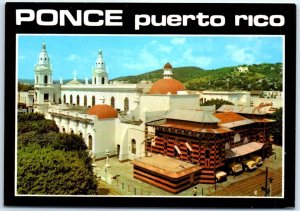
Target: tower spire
{"type": "Point", "coordinates": [168, 70]}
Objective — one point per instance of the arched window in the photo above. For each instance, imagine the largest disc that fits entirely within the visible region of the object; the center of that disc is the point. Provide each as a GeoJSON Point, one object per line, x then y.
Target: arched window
{"type": "Point", "coordinates": [103, 80]}
{"type": "Point", "coordinates": [64, 130]}
{"type": "Point", "coordinates": [37, 79]}
{"type": "Point", "coordinates": [85, 101]}
{"type": "Point", "coordinates": [126, 104]}
{"type": "Point", "coordinates": [90, 146]}
{"type": "Point", "coordinates": [71, 99]}
{"type": "Point", "coordinates": [65, 100]}
{"type": "Point", "coordinates": [112, 102]}
{"type": "Point", "coordinates": [77, 100]}
{"type": "Point", "coordinates": [133, 146]}
{"type": "Point", "coordinates": [45, 79]}
{"type": "Point", "coordinates": [93, 101]}
{"type": "Point", "coordinates": [246, 140]}
{"type": "Point", "coordinates": [72, 132]}
{"type": "Point", "coordinates": [80, 134]}
{"type": "Point", "coordinates": [95, 80]}
{"type": "Point", "coordinates": [237, 138]}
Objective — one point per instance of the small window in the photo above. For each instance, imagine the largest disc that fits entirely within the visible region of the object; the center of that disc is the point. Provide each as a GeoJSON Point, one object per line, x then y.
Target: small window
{"type": "Point", "coordinates": [46, 79]}
{"type": "Point", "coordinates": [46, 97]}
{"type": "Point", "coordinates": [90, 146]}
{"type": "Point", "coordinates": [207, 153]}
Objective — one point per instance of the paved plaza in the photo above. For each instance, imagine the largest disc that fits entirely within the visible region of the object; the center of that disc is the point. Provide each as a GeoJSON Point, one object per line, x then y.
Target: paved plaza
{"type": "Point", "coordinates": [244, 184]}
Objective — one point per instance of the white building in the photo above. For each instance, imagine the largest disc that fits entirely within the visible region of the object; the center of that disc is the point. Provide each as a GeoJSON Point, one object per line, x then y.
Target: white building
{"type": "Point", "coordinates": [242, 69]}
{"type": "Point", "coordinates": [241, 98]}
{"type": "Point", "coordinates": [107, 116]}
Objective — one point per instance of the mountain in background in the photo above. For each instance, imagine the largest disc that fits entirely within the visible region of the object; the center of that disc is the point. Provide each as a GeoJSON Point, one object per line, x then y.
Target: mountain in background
{"type": "Point", "coordinates": [263, 76]}
{"type": "Point", "coordinates": [258, 77]}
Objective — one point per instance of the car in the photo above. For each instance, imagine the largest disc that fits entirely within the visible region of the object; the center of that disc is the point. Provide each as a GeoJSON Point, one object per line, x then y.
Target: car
{"type": "Point", "coordinates": [249, 164]}
{"type": "Point", "coordinates": [234, 168]}
{"type": "Point", "coordinates": [259, 161]}
{"type": "Point", "coordinates": [220, 175]}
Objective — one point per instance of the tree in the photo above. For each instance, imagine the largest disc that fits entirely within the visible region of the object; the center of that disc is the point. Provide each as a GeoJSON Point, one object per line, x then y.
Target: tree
{"type": "Point", "coordinates": [276, 129]}
{"type": "Point", "coordinates": [217, 102]}
{"type": "Point", "coordinates": [49, 162]}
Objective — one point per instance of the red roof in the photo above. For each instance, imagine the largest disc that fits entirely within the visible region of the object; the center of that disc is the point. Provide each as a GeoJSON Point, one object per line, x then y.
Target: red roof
{"type": "Point", "coordinates": [103, 111]}
{"type": "Point", "coordinates": [228, 117]}
{"type": "Point", "coordinates": [166, 85]}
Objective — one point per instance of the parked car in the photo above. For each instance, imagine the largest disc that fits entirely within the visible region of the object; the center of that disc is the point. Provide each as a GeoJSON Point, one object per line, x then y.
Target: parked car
{"type": "Point", "coordinates": [234, 168]}
{"type": "Point", "coordinates": [220, 175]}
{"type": "Point", "coordinates": [249, 164]}
{"type": "Point", "coordinates": [259, 161]}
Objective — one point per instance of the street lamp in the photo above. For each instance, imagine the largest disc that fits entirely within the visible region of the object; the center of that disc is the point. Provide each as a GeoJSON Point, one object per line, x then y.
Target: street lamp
{"type": "Point", "coordinates": [267, 189]}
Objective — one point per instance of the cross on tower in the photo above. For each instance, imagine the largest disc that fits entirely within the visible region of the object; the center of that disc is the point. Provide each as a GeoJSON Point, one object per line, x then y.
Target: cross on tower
{"type": "Point", "coordinates": [75, 74]}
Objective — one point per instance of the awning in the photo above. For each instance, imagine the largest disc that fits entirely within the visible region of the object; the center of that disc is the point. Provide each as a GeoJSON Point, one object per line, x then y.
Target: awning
{"type": "Point", "coordinates": [243, 150]}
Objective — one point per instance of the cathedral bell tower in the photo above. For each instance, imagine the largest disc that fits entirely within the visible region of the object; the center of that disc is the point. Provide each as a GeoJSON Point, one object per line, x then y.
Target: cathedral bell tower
{"type": "Point", "coordinates": [99, 75]}
{"type": "Point", "coordinates": [43, 84]}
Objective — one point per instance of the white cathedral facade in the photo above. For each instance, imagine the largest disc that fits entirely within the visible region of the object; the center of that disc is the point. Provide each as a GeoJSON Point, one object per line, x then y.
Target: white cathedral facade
{"type": "Point", "coordinates": [108, 116]}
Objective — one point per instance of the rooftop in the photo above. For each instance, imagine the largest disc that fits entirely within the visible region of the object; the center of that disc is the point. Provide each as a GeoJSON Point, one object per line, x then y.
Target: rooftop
{"type": "Point", "coordinates": [165, 165]}
{"type": "Point", "coordinates": [243, 109]}
{"type": "Point", "coordinates": [192, 116]}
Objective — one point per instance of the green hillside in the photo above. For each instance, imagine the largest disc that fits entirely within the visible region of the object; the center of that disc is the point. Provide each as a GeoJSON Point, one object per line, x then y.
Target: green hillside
{"type": "Point", "coordinates": [260, 77]}
{"type": "Point", "coordinates": [180, 73]}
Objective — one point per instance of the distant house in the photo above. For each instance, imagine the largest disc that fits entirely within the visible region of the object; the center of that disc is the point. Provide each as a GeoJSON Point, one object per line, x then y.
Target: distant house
{"type": "Point", "coordinates": [242, 69]}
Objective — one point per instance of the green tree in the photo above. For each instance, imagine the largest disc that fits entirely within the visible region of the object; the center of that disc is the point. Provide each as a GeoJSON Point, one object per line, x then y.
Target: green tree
{"type": "Point", "coordinates": [217, 102]}
{"type": "Point", "coordinates": [49, 162]}
{"type": "Point", "coordinates": [276, 129]}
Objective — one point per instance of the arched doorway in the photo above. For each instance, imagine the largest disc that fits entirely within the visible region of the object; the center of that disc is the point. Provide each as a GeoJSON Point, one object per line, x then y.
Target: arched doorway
{"type": "Point", "coordinates": [103, 80]}
{"type": "Point", "coordinates": [85, 101]}
{"type": "Point", "coordinates": [93, 101]}
{"type": "Point", "coordinates": [90, 146]}
{"type": "Point", "coordinates": [126, 104]}
{"type": "Point", "coordinates": [112, 102]}
{"type": "Point", "coordinates": [71, 99]}
{"type": "Point", "coordinates": [64, 130]}
{"type": "Point", "coordinates": [77, 100]}
{"type": "Point", "coordinates": [72, 132]}
{"type": "Point", "coordinates": [65, 99]}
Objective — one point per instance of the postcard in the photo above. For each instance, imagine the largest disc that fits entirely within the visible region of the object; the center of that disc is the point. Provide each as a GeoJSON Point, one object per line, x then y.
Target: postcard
{"type": "Point", "coordinates": [141, 104]}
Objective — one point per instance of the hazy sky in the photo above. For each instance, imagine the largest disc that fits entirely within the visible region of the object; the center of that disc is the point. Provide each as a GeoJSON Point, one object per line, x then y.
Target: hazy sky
{"type": "Point", "coordinates": [132, 55]}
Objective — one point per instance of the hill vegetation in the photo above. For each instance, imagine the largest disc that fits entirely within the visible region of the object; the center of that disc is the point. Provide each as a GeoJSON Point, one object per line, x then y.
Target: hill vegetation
{"type": "Point", "coordinates": [259, 77]}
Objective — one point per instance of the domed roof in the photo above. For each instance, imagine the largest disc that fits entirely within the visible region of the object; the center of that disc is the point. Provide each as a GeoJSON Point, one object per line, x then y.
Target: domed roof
{"type": "Point", "coordinates": [167, 85]}
{"type": "Point", "coordinates": [103, 111]}
{"type": "Point", "coordinates": [168, 66]}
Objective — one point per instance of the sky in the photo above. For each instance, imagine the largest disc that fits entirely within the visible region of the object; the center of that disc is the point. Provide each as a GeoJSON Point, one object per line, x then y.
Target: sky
{"type": "Point", "coordinates": [133, 55]}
